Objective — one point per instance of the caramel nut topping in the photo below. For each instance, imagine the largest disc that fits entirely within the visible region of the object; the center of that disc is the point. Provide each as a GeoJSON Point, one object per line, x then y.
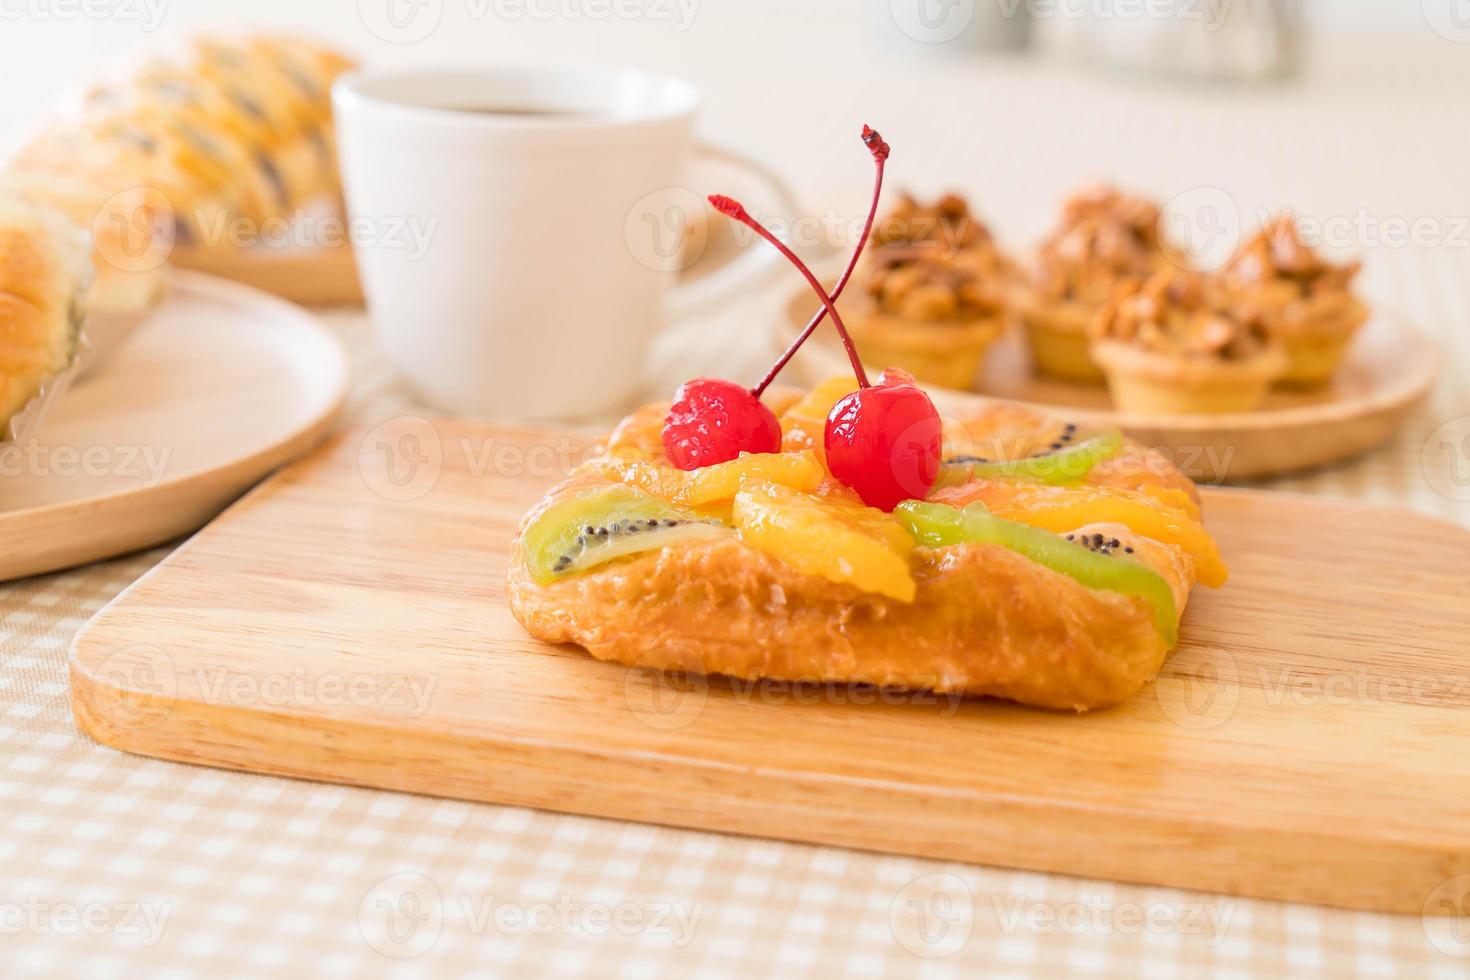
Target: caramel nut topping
{"type": "Point", "coordinates": [1105, 238]}
{"type": "Point", "coordinates": [936, 262]}
{"type": "Point", "coordinates": [1182, 314]}
{"type": "Point", "coordinates": [1279, 265]}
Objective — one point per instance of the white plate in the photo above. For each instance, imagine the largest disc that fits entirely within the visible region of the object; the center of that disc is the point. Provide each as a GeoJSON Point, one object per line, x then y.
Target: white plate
{"type": "Point", "coordinates": [220, 386]}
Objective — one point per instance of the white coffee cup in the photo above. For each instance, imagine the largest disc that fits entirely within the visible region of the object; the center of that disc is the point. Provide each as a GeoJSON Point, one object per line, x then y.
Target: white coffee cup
{"type": "Point", "coordinates": [499, 220]}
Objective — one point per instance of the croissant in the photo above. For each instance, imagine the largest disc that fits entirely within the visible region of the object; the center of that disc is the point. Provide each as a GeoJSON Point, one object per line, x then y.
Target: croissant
{"type": "Point", "coordinates": [44, 273]}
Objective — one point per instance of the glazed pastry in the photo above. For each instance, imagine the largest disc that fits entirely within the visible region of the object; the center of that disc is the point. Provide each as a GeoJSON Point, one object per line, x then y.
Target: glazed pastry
{"type": "Point", "coordinates": [1105, 239]}
{"type": "Point", "coordinates": [1175, 344]}
{"type": "Point", "coordinates": [164, 155]}
{"type": "Point", "coordinates": [1055, 577]}
{"type": "Point", "coordinates": [860, 538]}
{"type": "Point", "coordinates": [935, 292]}
{"type": "Point", "coordinates": [44, 274]}
{"type": "Point", "coordinates": [1304, 300]}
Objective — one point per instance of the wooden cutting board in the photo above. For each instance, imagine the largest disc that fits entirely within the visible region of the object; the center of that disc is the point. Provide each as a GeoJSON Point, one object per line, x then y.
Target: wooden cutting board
{"type": "Point", "coordinates": [347, 622]}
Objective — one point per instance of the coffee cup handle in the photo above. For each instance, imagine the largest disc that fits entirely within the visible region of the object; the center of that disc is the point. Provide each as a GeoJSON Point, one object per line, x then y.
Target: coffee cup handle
{"type": "Point", "coordinates": [725, 283]}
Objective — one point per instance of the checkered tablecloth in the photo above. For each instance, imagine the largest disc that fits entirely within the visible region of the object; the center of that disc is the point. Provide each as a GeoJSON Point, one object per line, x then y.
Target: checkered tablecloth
{"type": "Point", "coordinates": [117, 866]}
{"type": "Point", "coordinates": [112, 864]}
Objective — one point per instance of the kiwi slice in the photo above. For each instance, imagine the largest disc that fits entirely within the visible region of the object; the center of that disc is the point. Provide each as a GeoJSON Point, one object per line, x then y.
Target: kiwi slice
{"type": "Point", "coordinates": [604, 523]}
{"type": "Point", "coordinates": [938, 525]}
{"type": "Point", "coordinates": [1056, 466]}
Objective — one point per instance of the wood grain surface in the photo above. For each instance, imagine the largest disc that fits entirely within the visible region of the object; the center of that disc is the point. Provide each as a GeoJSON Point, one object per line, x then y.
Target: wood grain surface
{"type": "Point", "coordinates": [323, 276]}
{"type": "Point", "coordinates": [346, 622]}
{"type": "Point", "coordinates": [219, 386]}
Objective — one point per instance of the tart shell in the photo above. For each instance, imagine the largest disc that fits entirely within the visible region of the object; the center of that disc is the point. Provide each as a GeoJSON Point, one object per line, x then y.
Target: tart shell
{"type": "Point", "coordinates": [945, 352]}
{"type": "Point", "coordinates": [1314, 349]}
{"type": "Point", "coordinates": [1150, 383]}
{"type": "Point", "coordinates": [1057, 335]}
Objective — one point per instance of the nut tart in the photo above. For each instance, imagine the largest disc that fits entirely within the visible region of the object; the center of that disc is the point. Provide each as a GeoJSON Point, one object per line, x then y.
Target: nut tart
{"type": "Point", "coordinates": [1047, 564]}
{"type": "Point", "coordinates": [1105, 239]}
{"type": "Point", "coordinates": [1176, 345]}
{"type": "Point", "coordinates": [935, 292]}
{"type": "Point", "coordinates": [1306, 301]}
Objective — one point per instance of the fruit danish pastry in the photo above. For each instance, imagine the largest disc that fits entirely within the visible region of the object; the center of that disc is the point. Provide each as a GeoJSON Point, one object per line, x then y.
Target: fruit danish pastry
{"type": "Point", "coordinates": [859, 537]}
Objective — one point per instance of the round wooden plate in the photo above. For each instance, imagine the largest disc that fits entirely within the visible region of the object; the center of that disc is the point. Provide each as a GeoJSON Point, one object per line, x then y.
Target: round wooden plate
{"type": "Point", "coordinates": [1386, 374]}
{"type": "Point", "coordinates": [218, 387]}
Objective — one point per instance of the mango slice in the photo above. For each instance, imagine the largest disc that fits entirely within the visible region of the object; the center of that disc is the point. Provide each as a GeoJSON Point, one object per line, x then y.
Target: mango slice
{"type": "Point", "coordinates": [828, 535]}
{"type": "Point", "coordinates": [712, 484]}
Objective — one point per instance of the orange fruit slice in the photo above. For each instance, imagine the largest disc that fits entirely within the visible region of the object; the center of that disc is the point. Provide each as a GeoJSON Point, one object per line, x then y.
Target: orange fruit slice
{"type": "Point", "coordinates": [711, 484]}
{"type": "Point", "coordinates": [828, 535]}
{"type": "Point", "coordinates": [804, 424]}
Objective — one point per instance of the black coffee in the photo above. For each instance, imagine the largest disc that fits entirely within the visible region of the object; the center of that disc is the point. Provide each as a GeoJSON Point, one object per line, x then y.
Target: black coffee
{"type": "Point", "coordinates": [519, 112]}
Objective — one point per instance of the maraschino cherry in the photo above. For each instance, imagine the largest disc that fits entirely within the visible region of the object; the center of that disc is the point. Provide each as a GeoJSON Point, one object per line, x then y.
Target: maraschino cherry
{"type": "Point", "coordinates": [884, 440]}
{"type": "Point", "coordinates": [713, 420]}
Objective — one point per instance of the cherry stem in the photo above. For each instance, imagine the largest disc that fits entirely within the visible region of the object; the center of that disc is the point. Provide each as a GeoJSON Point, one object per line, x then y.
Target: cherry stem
{"type": "Point", "coordinates": [733, 209]}
{"type": "Point", "coordinates": [879, 150]}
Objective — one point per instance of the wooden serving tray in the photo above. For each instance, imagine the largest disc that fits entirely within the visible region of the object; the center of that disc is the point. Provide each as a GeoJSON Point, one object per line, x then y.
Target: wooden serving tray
{"type": "Point", "coordinates": [347, 622]}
